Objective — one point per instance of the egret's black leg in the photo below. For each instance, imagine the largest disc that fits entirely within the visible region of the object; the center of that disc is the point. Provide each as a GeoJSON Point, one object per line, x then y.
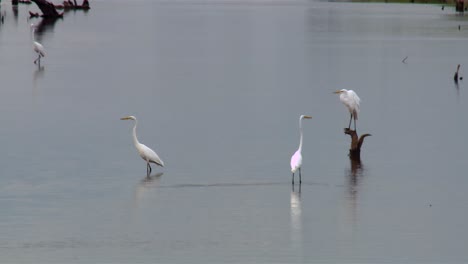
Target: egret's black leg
{"type": "Point", "coordinates": [300, 177]}
{"type": "Point", "coordinates": [293, 178]}
{"type": "Point", "coordinates": [148, 170]}
{"type": "Point", "coordinates": [350, 118]}
{"type": "Point", "coordinates": [355, 124]}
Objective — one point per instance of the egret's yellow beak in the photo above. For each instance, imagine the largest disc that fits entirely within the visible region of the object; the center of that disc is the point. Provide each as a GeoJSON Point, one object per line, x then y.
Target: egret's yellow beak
{"type": "Point", "coordinates": [125, 118]}
{"type": "Point", "coordinates": [337, 92]}
{"type": "Point", "coordinates": [308, 117]}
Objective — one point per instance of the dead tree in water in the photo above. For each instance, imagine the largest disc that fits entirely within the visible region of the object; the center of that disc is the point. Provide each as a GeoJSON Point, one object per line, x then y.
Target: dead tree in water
{"type": "Point", "coordinates": [47, 8]}
{"type": "Point", "coordinates": [356, 143]}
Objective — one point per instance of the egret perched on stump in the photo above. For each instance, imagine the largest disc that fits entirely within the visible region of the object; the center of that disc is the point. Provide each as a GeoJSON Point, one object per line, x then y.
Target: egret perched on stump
{"type": "Point", "coordinates": [145, 153]}
{"type": "Point", "coordinates": [296, 159]}
{"type": "Point", "coordinates": [37, 47]}
{"type": "Point", "coordinates": [352, 101]}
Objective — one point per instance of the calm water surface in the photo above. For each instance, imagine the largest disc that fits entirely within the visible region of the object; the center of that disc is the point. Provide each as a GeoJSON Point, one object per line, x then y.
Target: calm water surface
{"type": "Point", "coordinates": [218, 87]}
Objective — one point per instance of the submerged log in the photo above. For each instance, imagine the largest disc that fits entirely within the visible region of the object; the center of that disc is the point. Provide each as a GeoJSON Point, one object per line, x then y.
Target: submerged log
{"type": "Point", "coordinates": [47, 8]}
{"type": "Point", "coordinates": [356, 143]}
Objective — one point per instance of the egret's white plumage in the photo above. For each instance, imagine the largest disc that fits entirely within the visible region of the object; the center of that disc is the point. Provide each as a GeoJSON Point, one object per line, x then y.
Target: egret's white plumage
{"type": "Point", "coordinates": [352, 101]}
{"type": "Point", "coordinates": [37, 47]}
{"type": "Point", "coordinates": [145, 152]}
{"type": "Point", "coordinates": [296, 159]}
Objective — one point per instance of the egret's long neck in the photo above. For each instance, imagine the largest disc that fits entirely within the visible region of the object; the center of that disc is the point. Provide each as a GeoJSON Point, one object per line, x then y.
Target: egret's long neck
{"type": "Point", "coordinates": [300, 141]}
{"type": "Point", "coordinates": [135, 139]}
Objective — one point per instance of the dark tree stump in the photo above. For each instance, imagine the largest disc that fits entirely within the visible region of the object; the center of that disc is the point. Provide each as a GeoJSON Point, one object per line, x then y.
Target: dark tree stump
{"type": "Point", "coordinates": [47, 8]}
{"type": "Point", "coordinates": [356, 143]}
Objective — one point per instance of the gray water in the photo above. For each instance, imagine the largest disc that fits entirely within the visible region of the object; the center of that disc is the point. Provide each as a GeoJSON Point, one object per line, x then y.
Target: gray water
{"type": "Point", "coordinates": [218, 87]}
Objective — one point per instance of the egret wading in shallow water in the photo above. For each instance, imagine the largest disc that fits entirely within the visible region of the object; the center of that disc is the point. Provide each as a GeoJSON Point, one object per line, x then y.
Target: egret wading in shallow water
{"type": "Point", "coordinates": [37, 47]}
{"type": "Point", "coordinates": [145, 153]}
{"type": "Point", "coordinates": [352, 101]}
{"type": "Point", "coordinates": [296, 159]}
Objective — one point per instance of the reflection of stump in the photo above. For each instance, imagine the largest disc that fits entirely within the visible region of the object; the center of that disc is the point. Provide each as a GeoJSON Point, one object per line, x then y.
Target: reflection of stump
{"type": "Point", "coordinates": [47, 8]}
{"type": "Point", "coordinates": [356, 143]}
{"type": "Point", "coordinates": [69, 5]}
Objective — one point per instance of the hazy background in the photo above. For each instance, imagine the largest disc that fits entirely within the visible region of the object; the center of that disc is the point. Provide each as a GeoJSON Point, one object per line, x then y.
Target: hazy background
{"type": "Point", "coordinates": [218, 87]}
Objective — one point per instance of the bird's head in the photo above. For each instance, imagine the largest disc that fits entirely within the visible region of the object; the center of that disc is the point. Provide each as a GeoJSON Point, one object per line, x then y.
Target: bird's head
{"type": "Point", "coordinates": [340, 91]}
{"type": "Point", "coordinates": [128, 118]}
{"type": "Point", "coordinates": [306, 117]}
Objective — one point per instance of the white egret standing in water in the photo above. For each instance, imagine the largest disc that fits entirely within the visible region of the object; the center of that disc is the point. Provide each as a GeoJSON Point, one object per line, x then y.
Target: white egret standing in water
{"type": "Point", "coordinates": [145, 153]}
{"type": "Point", "coordinates": [352, 101]}
{"type": "Point", "coordinates": [37, 47]}
{"type": "Point", "coordinates": [296, 159]}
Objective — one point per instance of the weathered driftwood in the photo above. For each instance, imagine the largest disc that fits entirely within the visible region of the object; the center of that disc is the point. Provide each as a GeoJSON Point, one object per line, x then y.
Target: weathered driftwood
{"type": "Point", "coordinates": [47, 8]}
{"type": "Point", "coordinates": [356, 143]}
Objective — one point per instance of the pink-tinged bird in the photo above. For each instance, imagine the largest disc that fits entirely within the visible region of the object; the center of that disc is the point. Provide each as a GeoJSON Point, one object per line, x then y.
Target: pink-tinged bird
{"type": "Point", "coordinates": [352, 101]}
{"type": "Point", "coordinates": [296, 159]}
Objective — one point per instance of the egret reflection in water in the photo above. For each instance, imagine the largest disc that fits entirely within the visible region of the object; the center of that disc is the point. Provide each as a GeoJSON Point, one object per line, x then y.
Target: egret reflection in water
{"type": "Point", "coordinates": [147, 183]}
{"type": "Point", "coordinates": [296, 217]}
{"type": "Point", "coordinates": [37, 75]}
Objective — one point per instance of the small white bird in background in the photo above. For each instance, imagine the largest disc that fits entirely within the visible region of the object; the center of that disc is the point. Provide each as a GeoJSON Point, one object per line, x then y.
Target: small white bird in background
{"type": "Point", "coordinates": [352, 101]}
{"type": "Point", "coordinates": [145, 153]}
{"type": "Point", "coordinates": [296, 159]}
{"type": "Point", "coordinates": [37, 47]}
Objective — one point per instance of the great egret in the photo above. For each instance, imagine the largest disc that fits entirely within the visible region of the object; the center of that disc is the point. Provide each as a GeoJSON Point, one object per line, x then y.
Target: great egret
{"type": "Point", "coordinates": [37, 47]}
{"type": "Point", "coordinates": [352, 101]}
{"type": "Point", "coordinates": [296, 159]}
{"type": "Point", "coordinates": [145, 153]}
